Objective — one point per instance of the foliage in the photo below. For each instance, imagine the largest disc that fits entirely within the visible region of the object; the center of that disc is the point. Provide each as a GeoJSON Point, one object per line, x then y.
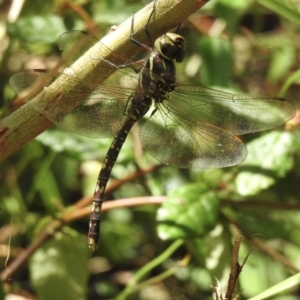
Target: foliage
{"type": "Point", "coordinates": [177, 249]}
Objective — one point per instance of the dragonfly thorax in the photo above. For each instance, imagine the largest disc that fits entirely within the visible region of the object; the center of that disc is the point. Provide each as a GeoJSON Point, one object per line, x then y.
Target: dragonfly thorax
{"type": "Point", "coordinates": [158, 77]}
{"type": "Point", "coordinates": [171, 46]}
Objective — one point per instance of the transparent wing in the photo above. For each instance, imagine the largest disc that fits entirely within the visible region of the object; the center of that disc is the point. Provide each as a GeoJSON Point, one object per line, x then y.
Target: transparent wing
{"type": "Point", "coordinates": [94, 112]}
{"type": "Point", "coordinates": [74, 43]}
{"type": "Point", "coordinates": [195, 126]}
{"type": "Point", "coordinates": [89, 109]}
{"type": "Point", "coordinates": [176, 140]}
{"type": "Point", "coordinates": [237, 114]}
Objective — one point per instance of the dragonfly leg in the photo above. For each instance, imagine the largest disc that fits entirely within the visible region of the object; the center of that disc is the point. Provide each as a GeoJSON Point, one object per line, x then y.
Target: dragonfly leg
{"type": "Point", "coordinates": [131, 65]}
{"type": "Point", "coordinates": [135, 41]}
{"type": "Point", "coordinates": [147, 25]}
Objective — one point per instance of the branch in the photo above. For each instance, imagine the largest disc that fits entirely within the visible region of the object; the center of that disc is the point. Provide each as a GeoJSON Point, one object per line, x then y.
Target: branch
{"type": "Point", "coordinates": [26, 123]}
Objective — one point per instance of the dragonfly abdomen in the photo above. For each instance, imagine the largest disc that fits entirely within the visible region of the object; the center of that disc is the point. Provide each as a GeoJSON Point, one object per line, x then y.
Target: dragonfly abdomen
{"type": "Point", "coordinates": [138, 108]}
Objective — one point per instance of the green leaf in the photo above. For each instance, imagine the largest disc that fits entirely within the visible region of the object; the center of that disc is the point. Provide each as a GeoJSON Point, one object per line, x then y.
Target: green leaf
{"type": "Point", "coordinates": [258, 263]}
{"type": "Point", "coordinates": [74, 145]}
{"type": "Point", "coordinates": [38, 28]}
{"type": "Point", "coordinates": [283, 59]}
{"type": "Point", "coordinates": [263, 222]}
{"type": "Point", "coordinates": [269, 157]}
{"type": "Point", "coordinates": [214, 252]}
{"type": "Point", "coordinates": [216, 56]}
{"type": "Point", "coordinates": [190, 211]}
{"type": "Point", "coordinates": [58, 268]}
{"type": "Point", "coordinates": [81, 147]}
{"type": "Point", "coordinates": [249, 183]}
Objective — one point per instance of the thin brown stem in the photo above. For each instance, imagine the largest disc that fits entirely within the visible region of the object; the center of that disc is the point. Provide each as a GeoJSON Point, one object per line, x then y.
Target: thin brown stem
{"type": "Point", "coordinates": [273, 205]}
{"type": "Point", "coordinates": [117, 183]}
{"type": "Point", "coordinates": [262, 246]}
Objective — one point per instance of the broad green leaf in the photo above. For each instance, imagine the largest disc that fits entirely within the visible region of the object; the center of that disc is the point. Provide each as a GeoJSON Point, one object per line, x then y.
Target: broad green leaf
{"type": "Point", "coordinates": [257, 271]}
{"type": "Point", "coordinates": [216, 56]}
{"type": "Point", "coordinates": [80, 147]}
{"type": "Point", "coordinates": [190, 211]}
{"type": "Point", "coordinates": [249, 183]}
{"type": "Point", "coordinates": [268, 225]}
{"type": "Point", "coordinates": [213, 251]}
{"type": "Point", "coordinates": [37, 28]}
{"type": "Point", "coordinates": [58, 269]}
{"type": "Point", "coordinates": [282, 60]}
{"type": "Point", "coordinates": [75, 145]}
{"type": "Point", "coordinates": [269, 157]}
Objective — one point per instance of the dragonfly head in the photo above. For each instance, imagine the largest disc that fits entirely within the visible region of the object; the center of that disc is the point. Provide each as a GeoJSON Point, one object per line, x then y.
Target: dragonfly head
{"type": "Point", "coordinates": [171, 46]}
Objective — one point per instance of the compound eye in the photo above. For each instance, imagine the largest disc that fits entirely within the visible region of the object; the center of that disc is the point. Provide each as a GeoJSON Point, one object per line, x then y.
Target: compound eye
{"type": "Point", "coordinates": [171, 46]}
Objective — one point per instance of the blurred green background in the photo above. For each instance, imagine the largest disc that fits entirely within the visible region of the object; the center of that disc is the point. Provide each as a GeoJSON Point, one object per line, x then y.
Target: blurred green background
{"type": "Point", "coordinates": [243, 46]}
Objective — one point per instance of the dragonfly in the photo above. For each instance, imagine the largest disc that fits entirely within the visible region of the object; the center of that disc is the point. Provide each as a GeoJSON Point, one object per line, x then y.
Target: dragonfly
{"type": "Point", "coordinates": [180, 125]}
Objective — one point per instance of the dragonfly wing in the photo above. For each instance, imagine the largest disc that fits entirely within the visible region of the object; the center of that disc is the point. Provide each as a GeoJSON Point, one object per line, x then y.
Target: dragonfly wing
{"type": "Point", "coordinates": [22, 81]}
{"type": "Point", "coordinates": [175, 140]}
{"type": "Point", "coordinates": [237, 114]}
{"type": "Point", "coordinates": [99, 115]}
{"type": "Point", "coordinates": [102, 112]}
{"type": "Point", "coordinates": [94, 113]}
{"type": "Point", "coordinates": [74, 43]}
